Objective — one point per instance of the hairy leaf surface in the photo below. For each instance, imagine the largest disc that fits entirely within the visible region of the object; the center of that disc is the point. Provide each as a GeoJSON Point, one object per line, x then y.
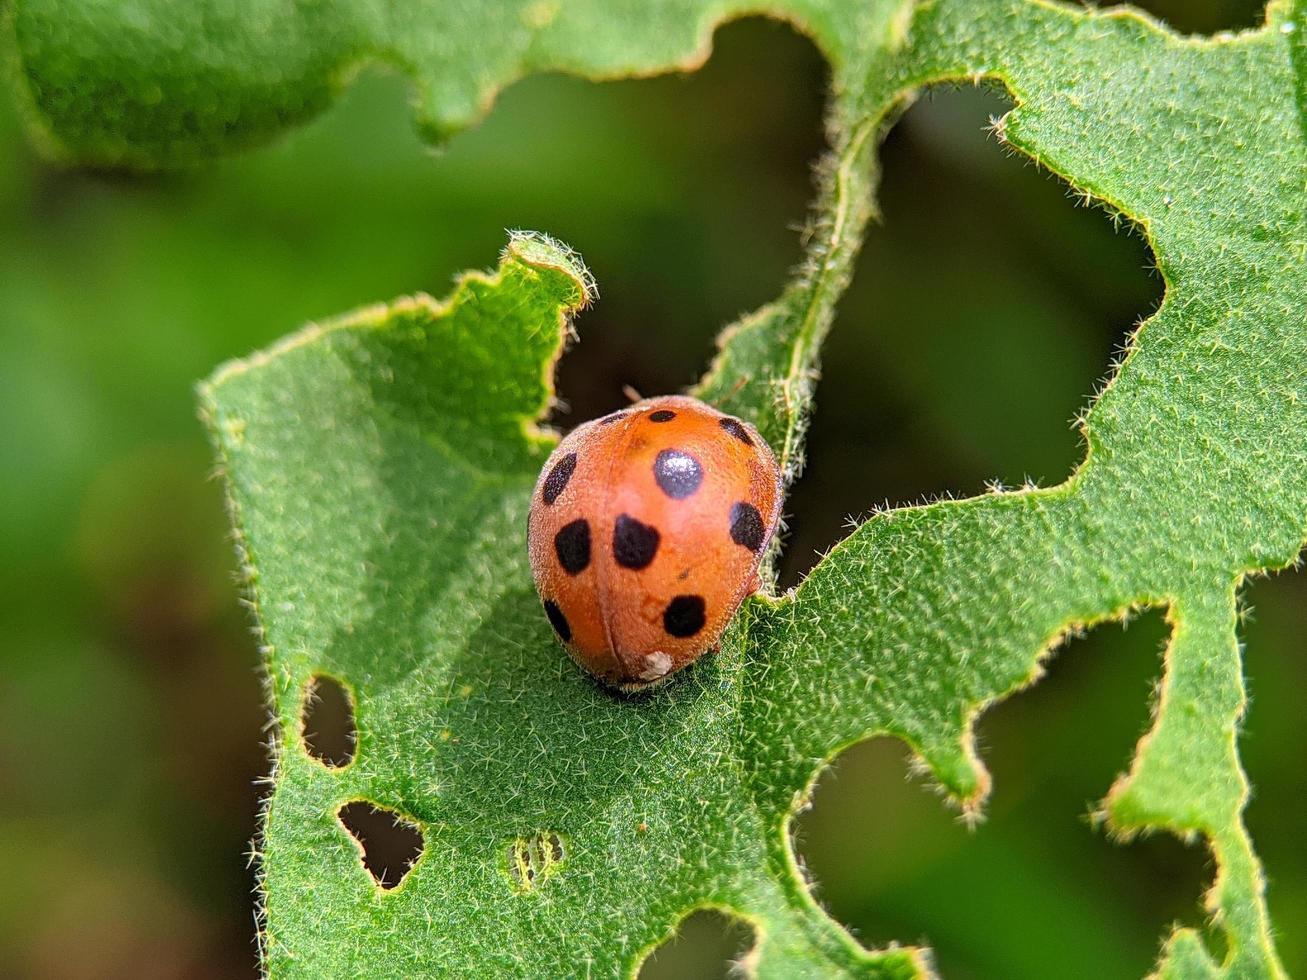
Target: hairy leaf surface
{"type": "Point", "coordinates": [380, 469]}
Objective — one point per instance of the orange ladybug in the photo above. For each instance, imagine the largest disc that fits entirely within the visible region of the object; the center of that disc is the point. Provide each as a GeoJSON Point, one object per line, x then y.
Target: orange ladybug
{"type": "Point", "coordinates": [645, 533]}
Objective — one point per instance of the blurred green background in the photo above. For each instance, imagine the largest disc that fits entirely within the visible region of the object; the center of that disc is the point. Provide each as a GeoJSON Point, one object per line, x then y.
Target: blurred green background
{"type": "Point", "coordinates": [985, 311]}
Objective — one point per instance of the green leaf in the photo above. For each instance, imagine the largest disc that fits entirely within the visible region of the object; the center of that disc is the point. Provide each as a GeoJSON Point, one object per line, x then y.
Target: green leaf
{"type": "Point", "coordinates": [382, 527]}
{"type": "Point", "coordinates": [380, 469]}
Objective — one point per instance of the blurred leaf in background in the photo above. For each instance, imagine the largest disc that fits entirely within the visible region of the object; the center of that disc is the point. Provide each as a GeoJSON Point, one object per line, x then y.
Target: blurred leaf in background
{"type": "Point", "coordinates": [984, 313]}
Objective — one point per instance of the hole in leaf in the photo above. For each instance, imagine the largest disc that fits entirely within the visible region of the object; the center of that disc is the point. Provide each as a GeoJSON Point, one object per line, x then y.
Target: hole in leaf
{"type": "Point", "coordinates": [985, 311]}
{"type": "Point", "coordinates": [1271, 745]}
{"type": "Point", "coordinates": [1205, 16]}
{"type": "Point", "coordinates": [532, 859]}
{"type": "Point", "coordinates": [891, 861]}
{"type": "Point", "coordinates": [390, 842]}
{"type": "Point", "coordinates": [698, 224]}
{"type": "Point", "coordinates": [328, 722]}
{"type": "Point", "coordinates": [706, 944]}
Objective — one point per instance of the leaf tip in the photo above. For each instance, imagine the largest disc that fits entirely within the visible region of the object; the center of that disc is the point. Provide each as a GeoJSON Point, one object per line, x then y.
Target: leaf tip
{"type": "Point", "coordinates": [544, 251]}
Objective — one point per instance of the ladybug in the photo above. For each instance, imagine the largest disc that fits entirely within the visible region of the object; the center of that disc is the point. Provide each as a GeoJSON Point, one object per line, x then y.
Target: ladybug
{"type": "Point", "coordinates": [645, 533]}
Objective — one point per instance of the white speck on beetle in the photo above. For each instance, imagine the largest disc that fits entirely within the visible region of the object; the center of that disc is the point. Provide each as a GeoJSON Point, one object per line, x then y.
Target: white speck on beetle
{"type": "Point", "coordinates": [657, 664]}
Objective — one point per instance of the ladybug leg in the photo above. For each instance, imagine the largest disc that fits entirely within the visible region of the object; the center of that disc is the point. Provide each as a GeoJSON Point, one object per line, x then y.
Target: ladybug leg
{"type": "Point", "coordinates": [755, 584]}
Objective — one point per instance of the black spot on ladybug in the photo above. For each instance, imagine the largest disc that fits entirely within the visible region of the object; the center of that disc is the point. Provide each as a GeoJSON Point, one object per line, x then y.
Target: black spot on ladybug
{"type": "Point", "coordinates": [556, 481]}
{"type": "Point", "coordinates": [746, 526]}
{"type": "Point", "coordinates": [612, 417]}
{"type": "Point", "coordinates": [662, 415]}
{"type": "Point", "coordinates": [634, 543]}
{"type": "Point", "coordinates": [678, 474]}
{"type": "Point", "coordinates": [684, 615]}
{"type": "Point", "coordinates": [736, 428]}
{"type": "Point", "coordinates": [572, 545]}
{"type": "Point", "coordinates": [557, 620]}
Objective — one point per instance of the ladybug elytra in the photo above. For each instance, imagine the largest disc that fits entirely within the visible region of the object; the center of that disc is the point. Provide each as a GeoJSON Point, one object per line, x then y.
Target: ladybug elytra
{"type": "Point", "coordinates": [645, 534]}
